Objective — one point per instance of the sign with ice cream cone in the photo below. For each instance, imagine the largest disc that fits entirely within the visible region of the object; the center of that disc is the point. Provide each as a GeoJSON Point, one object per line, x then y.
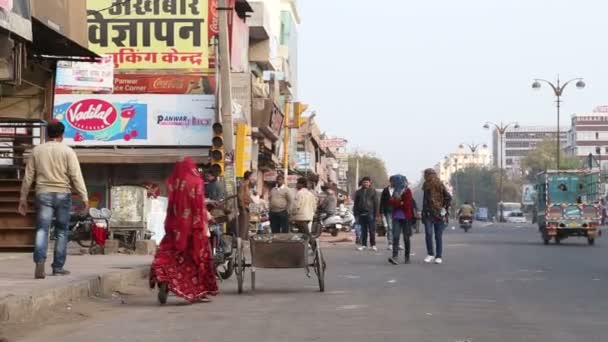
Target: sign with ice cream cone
{"type": "Point", "coordinates": [136, 120]}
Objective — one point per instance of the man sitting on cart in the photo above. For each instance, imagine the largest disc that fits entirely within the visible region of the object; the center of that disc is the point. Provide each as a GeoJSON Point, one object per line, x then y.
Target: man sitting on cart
{"type": "Point", "coordinates": [304, 208]}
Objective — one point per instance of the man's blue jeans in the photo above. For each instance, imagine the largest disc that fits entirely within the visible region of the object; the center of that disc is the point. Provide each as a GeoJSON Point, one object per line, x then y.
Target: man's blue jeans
{"type": "Point", "coordinates": [58, 206]}
{"type": "Point", "coordinates": [388, 219]}
{"type": "Point", "coordinates": [431, 227]}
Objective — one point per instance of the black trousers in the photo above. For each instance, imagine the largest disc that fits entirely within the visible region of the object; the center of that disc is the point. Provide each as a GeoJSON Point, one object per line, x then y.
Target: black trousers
{"type": "Point", "coordinates": [279, 222]}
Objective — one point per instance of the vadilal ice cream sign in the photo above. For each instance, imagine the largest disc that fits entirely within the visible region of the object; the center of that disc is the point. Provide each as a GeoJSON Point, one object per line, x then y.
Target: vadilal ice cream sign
{"type": "Point", "coordinates": [136, 120]}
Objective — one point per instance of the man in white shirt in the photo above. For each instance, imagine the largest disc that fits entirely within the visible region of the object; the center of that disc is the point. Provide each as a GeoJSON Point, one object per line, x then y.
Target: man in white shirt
{"type": "Point", "coordinates": [305, 206]}
{"type": "Point", "coordinates": [281, 202]}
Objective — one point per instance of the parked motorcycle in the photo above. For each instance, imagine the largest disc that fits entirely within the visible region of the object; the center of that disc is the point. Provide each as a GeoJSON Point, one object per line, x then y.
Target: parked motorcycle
{"type": "Point", "coordinates": [87, 230]}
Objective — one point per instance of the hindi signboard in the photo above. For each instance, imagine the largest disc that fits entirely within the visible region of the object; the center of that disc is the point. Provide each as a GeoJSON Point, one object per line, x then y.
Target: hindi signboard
{"type": "Point", "coordinates": [136, 120]}
{"type": "Point", "coordinates": [85, 77]}
{"type": "Point", "coordinates": [168, 34]}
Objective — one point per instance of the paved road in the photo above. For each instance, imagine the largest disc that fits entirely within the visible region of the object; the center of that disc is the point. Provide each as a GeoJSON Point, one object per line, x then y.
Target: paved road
{"type": "Point", "coordinates": [497, 284]}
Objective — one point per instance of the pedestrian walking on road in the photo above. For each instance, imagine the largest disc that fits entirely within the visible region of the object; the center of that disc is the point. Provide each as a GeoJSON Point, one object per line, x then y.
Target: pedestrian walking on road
{"type": "Point", "coordinates": [366, 211]}
{"type": "Point", "coordinates": [184, 264]}
{"type": "Point", "coordinates": [386, 210]}
{"type": "Point", "coordinates": [281, 202]}
{"type": "Point", "coordinates": [55, 169]}
{"type": "Point", "coordinates": [435, 206]}
{"type": "Point", "coordinates": [305, 207]}
{"type": "Point", "coordinates": [402, 215]}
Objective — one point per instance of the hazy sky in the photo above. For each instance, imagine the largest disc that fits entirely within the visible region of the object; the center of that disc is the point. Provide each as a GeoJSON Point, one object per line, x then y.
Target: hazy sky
{"type": "Point", "coordinates": [411, 80]}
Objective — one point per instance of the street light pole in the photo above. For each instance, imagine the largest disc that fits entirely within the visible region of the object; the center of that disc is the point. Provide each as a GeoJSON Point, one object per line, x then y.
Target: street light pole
{"type": "Point", "coordinates": [501, 129]}
{"type": "Point", "coordinates": [558, 91]}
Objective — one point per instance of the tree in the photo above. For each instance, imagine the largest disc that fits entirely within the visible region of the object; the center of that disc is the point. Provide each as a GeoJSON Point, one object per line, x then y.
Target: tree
{"type": "Point", "coordinates": [371, 166]}
{"type": "Point", "coordinates": [544, 157]}
{"type": "Point", "coordinates": [482, 186]}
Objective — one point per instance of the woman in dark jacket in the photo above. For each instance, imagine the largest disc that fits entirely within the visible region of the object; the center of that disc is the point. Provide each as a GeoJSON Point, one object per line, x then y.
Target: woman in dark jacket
{"type": "Point", "coordinates": [435, 206]}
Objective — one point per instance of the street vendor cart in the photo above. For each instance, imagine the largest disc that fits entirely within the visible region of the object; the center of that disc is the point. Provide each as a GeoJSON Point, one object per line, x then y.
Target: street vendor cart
{"type": "Point", "coordinates": [281, 251]}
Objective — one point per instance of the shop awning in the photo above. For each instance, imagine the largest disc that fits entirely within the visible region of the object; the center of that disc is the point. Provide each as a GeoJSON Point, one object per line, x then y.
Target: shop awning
{"type": "Point", "coordinates": [141, 156]}
{"type": "Point", "coordinates": [52, 44]}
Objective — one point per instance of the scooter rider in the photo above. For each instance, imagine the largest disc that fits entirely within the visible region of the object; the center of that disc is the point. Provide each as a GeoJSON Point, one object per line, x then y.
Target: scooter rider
{"type": "Point", "coordinates": [329, 203]}
{"type": "Point", "coordinates": [466, 211]}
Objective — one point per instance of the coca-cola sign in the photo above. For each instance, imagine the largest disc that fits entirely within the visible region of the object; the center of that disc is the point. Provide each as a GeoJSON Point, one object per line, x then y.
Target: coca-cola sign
{"type": "Point", "coordinates": [91, 115]}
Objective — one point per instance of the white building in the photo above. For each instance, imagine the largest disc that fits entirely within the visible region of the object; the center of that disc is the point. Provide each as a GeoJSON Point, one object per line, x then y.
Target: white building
{"type": "Point", "coordinates": [462, 158]}
{"type": "Point", "coordinates": [517, 142]}
{"type": "Point", "coordinates": [589, 135]}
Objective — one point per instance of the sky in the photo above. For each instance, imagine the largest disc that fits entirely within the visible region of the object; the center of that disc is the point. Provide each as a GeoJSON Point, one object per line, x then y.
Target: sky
{"type": "Point", "coordinates": [412, 80]}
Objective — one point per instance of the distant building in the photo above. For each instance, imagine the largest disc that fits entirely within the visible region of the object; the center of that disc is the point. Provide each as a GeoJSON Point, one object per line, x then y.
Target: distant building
{"type": "Point", "coordinates": [462, 158]}
{"type": "Point", "coordinates": [589, 135]}
{"type": "Point", "coordinates": [517, 142]}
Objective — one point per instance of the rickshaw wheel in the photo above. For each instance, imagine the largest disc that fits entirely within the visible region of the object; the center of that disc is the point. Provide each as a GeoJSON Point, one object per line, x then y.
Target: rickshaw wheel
{"type": "Point", "coordinates": [320, 268]}
{"type": "Point", "coordinates": [240, 265]}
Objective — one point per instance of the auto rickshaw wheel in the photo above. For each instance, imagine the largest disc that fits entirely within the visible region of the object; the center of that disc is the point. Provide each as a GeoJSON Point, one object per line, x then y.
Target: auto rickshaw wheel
{"type": "Point", "coordinates": [591, 241]}
{"type": "Point", "coordinates": [558, 240]}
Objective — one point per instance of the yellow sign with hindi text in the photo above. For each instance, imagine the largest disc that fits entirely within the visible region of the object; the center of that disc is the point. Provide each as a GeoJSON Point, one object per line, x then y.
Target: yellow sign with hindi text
{"type": "Point", "coordinates": [144, 34]}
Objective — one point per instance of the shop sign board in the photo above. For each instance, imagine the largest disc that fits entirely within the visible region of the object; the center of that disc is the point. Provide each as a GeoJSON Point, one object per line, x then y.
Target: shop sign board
{"type": "Point", "coordinates": [192, 84]}
{"type": "Point", "coordinates": [150, 34]}
{"type": "Point", "coordinates": [85, 77]}
{"type": "Point", "coordinates": [136, 120]}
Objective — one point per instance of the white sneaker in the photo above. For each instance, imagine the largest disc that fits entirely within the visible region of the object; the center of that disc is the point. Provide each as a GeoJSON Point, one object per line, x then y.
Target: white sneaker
{"type": "Point", "coordinates": [361, 248]}
{"type": "Point", "coordinates": [401, 248]}
{"type": "Point", "coordinates": [438, 261]}
{"type": "Point", "coordinates": [389, 248]}
{"type": "Point", "coordinates": [374, 249]}
{"type": "Point", "coordinates": [429, 259]}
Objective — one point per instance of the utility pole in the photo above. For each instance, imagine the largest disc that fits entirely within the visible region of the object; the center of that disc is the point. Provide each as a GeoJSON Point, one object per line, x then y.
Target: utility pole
{"type": "Point", "coordinates": [356, 173]}
{"type": "Point", "coordinates": [286, 137]}
{"type": "Point", "coordinates": [226, 102]}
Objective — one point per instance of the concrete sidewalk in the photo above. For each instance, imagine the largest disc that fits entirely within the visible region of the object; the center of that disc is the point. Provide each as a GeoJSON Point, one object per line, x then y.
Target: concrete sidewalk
{"type": "Point", "coordinates": [92, 275]}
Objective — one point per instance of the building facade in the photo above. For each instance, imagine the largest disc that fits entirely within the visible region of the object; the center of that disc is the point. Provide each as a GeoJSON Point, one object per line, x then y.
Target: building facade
{"type": "Point", "coordinates": [517, 142]}
{"type": "Point", "coordinates": [589, 136]}
{"type": "Point", "coordinates": [462, 158]}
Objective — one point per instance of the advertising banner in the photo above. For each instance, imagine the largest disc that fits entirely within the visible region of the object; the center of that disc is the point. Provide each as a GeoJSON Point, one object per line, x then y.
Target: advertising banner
{"type": "Point", "coordinates": [195, 84]}
{"type": "Point", "coordinates": [85, 77]}
{"type": "Point", "coordinates": [136, 120]}
{"type": "Point", "coordinates": [169, 34]}
{"type": "Point", "coordinates": [528, 194]}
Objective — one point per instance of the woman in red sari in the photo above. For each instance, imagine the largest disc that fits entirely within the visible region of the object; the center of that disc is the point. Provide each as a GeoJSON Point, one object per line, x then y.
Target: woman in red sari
{"type": "Point", "coordinates": [184, 263]}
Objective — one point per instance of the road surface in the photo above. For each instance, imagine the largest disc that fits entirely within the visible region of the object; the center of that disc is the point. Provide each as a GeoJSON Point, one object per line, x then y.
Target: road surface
{"type": "Point", "coordinates": [497, 284]}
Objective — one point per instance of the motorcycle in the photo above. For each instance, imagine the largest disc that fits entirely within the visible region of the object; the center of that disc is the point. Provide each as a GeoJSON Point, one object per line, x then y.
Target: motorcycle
{"type": "Point", "coordinates": [328, 224]}
{"type": "Point", "coordinates": [87, 230]}
{"type": "Point", "coordinates": [348, 219]}
{"type": "Point", "coordinates": [222, 245]}
{"type": "Point", "coordinates": [466, 223]}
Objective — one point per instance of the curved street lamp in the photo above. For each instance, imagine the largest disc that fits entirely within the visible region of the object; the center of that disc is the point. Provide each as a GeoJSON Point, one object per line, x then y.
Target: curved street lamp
{"type": "Point", "coordinates": [501, 129]}
{"type": "Point", "coordinates": [558, 91]}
